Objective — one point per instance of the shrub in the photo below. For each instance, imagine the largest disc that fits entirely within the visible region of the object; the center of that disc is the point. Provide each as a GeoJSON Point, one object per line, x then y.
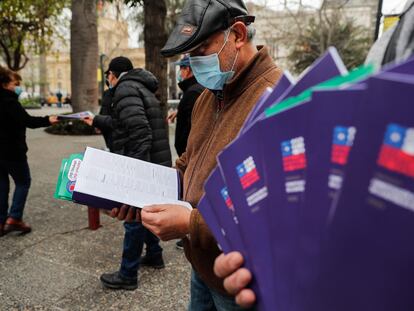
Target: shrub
{"type": "Point", "coordinates": [30, 103]}
{"type": "Point", "coordinates": [71, 127]}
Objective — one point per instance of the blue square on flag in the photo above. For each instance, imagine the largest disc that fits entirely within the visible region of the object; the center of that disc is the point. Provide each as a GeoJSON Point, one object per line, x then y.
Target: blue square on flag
{"type": "Point", "coordinates": [394, 135]}
{"type": "Point", "coordinates": [340, 135]}
{"type": "Point", "coordinates": [286, 148]}
{"type": "Point", "coordinates": [241, 170]}
{"type": "Point", "coordinates": [224, 193]}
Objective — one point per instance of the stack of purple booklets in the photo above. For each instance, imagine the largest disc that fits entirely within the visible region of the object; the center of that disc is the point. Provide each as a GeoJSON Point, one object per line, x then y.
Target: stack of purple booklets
{"type": "Point", "coordinates": [317, 191]}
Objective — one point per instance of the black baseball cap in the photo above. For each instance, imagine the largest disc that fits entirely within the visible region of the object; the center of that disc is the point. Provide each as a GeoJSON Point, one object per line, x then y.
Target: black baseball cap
{"type": "Point", "coordinates": [119, 64]}
{"type": "Point", "coordinates": [199, 19]}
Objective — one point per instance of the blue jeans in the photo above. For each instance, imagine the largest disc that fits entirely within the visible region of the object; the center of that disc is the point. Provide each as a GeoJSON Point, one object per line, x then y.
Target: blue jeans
{"type": "Point", "coordinates": [135, 236]}
{"type": "Point", "coordinates": [205, 299]}
{"type": "Point", "coordinates": [19, 171]}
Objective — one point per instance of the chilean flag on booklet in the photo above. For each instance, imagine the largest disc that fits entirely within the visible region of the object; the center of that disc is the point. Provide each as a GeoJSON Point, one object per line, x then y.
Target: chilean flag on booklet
{"type": "Point", "coordinates": [248, 174]}
{"type": "Point", "coordinates": [293, 152]}
{"type": "Point", "coordinates": [397, 150]}
{"type": "Point", "coordinates": [343, 138]}
{"type": "Point", "coordinates": [226, 197]}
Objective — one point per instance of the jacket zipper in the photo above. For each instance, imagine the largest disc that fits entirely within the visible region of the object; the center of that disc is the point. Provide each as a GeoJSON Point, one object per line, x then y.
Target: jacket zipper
{"type": "Point", "coordinates": [219, 109]}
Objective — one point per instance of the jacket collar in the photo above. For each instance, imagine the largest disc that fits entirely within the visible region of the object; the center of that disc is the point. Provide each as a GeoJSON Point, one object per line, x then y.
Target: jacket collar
{"type": "Point", "coordinates": [254, 69]}
{"type": "Point", "coordinates": [185, 84]}
{"type": "Point", "coordinates": [8, 93]}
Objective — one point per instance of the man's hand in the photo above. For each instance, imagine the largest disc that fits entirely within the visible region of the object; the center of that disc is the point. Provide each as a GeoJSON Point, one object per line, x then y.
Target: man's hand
{"type": "Point", "coordinates": [88, 120]}
{"type": "Point", "coordinates": [235, 277]}
{"type": "Point", "coordinates": [167, 221]}
{"type": "Point", "coordinates": [127, 213]}
{"type": "Point", "coordinates": [53, 119]}
{"type": "Point", "coordinates": [172, 116]}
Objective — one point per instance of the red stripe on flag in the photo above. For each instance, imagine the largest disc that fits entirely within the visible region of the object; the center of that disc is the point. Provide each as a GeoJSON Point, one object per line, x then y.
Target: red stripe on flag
{"type": "Point", "coordinates": [249, 178]}
{"type": "Point", "coordinates": [229, 203]}
{"type": "Point", "coordinates": [340, 154]}
{"type": "Point", "coordinates": [396, 160]}
{"type": "Point", "coordinates": [294, 162]}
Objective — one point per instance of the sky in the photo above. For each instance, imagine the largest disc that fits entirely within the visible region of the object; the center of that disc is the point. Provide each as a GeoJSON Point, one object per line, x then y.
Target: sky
{"type": "Point", "coordinates": [388, 7]}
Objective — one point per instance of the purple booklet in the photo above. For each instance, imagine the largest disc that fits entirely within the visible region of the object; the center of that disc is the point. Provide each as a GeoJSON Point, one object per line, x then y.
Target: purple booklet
{"type": "Point", "coordinates": [327, 66]}
{"type": "Point", "coordinates": [283, 149]}
{"type": "Point", "coordinates": [206, 210]}
{"type": "Point", "coordinates": [367, 255]}
{"type": "Point", "coordinates": [217, 193]}
{"type": "Point", "coordinates": [268, 98]}
{"type": "Point", "coordinates": [329, 138]}
{"type": "Point", "coordinates": [405, 67]}
{"type": "Point", "coordinates": [241, 166]}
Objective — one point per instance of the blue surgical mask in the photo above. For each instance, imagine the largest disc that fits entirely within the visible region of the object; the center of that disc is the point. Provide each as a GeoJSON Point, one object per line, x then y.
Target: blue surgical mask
{"type": "Point", "coordinates": [207, 72]}
{"type": "Point", "coordinates": [179, 78]}
{"type": "Point", "coordinates": [18, 90]}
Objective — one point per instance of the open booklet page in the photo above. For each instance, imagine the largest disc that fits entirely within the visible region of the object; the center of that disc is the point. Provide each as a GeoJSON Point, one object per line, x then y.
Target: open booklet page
{"type": "Point", "coordinates": [127, 180]}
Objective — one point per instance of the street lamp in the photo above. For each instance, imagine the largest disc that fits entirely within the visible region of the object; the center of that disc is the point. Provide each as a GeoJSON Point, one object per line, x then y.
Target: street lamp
{"type": "Point", "coordinates": [101, 60]}
{"type": "Point", "coordinates": [378, 21]}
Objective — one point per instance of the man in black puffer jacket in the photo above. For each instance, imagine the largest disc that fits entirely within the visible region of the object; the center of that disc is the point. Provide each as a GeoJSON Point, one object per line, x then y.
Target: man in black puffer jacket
{"type": "Point", "coordinates": [138, 131]}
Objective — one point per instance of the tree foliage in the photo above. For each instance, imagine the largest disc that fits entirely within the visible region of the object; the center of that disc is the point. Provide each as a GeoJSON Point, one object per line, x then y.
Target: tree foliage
{"type": "Point", "coordinates": [26, 26]}
{"type": "Point", "coordinates": [158, 18]}
{"type": "Point", "coordinates": [333, 29]}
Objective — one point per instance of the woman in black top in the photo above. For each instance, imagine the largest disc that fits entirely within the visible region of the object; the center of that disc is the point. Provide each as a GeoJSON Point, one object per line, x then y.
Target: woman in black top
{"type": "Point", "coordinates": [13, 161]}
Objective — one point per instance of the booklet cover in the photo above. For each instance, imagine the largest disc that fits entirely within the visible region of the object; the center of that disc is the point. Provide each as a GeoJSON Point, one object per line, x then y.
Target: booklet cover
{"type": "Point", "coordinates": [367, 250]}
{"type": "Point", "coordinates": [324, 68]}
{"type": "Point", "coordinates": [330, 137]}
{"type": "Point", "coordinates": [243, 171]}
{"type": "Point", "coordinates": [216, 192]}
{"type": "Point", "coordinates": [267, 100]}
{"type": "Point", "coordinates": [206, 210]}
{"type": "Point", "coordinates": [283, 150]}
{"type": "Point", "coordinates": [75, 116]}
{"type": "Point", "coordinates": [67, 177]}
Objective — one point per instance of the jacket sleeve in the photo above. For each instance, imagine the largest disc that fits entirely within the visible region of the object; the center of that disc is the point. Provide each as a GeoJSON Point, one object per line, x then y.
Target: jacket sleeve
{"type": "Point", "coordinates": [181, 164]}
{"type": "Point", "coordinates": [134, 120]}
{"type": "Point", "coordinates": [200, 235]}
{"type": "Point", "coordinates": [102, 122]}
{"type": "Point", "coordinates": [19, 116]}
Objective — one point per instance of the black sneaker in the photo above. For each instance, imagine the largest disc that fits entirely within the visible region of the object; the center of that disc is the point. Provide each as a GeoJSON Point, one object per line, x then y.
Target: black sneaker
{"type": "Point", "coordinates": [180, 244]}
{"type": "Point", "coordinates": [116, 281]}
{"type": "Point", "coordinates": [153, 261]}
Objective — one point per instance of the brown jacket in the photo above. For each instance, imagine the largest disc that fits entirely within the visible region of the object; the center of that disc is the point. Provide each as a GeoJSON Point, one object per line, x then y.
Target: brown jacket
{"type": "Point", "coordinates": [214, 125]}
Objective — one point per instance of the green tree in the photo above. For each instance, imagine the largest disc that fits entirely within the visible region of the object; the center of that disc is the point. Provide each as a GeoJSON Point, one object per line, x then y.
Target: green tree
{"type": "Point", "coordinates": [26, 26]}
{"type": "Point", "coordinates": [330, 29]}
{"type": "Point", "coordinates": [158, 18]}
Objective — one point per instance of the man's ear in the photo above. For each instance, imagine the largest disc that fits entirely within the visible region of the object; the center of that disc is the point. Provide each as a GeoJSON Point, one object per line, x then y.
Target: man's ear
{"type": "Point", "coordinates": [240, 31]}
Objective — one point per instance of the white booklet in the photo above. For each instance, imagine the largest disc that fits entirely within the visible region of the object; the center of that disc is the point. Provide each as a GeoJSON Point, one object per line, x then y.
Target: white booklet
{"type": "Point", "coordinates": [76, 116]}
{"type": "Point", "coordinates": [116, 178]}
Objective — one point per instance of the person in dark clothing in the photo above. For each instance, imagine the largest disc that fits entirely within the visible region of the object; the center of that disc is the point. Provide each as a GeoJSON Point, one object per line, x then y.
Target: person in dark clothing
{"type": "Point", "coordinates": [191, 91]}
{"type": "Point", "coordinates": [59, 97]}
{"type": "Point", "coordinates": [67, 100]}
{"type": "Point", "coordinates": [106, 111]}
{"type": "Point", "coordinates": [138, 130]}
{"type": "Point", "coordinates": [13, 159]}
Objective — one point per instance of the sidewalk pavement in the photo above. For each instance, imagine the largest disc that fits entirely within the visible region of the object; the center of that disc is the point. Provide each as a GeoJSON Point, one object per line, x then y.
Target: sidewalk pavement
{"type": "Point", "coordinates": [57, 266]}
